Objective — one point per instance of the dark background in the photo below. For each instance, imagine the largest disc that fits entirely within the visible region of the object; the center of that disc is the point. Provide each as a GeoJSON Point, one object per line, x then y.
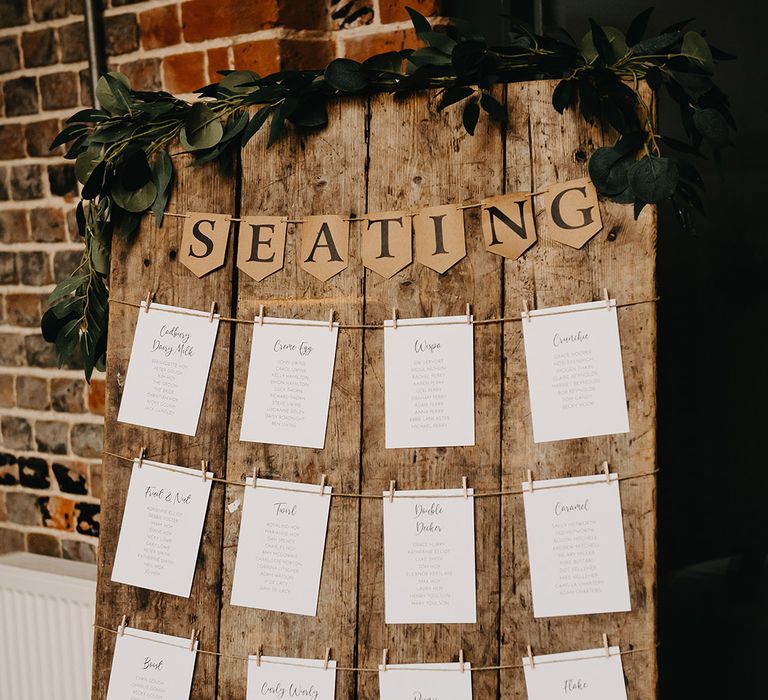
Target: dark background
{"type": "Point", "coordinates": [713, 381]}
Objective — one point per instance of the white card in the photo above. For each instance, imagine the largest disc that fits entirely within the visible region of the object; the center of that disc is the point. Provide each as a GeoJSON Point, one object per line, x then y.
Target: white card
{"type": "Point", "coordinates": [280, 546]}
{"type": "Point", "coordinates": [425, 682]}
{"type": "Point", "coordinates": [161, 529]}
{"type": "Point", "coordinates": [429, 384]}
{"type": "Point", "coordinates": [576, 546]}
{"type": "Point", "coordinates": [289, 382]}
{"type": "Point", "coordinates": [279, 678]}
{"type": "Point", "coordinates": [168, 369]}
{"type": "Point", "coordinates": [587, 675]}
{"type": "Point", "coordinates": [429, 557]}
{"type": "Point", "coordinates": [575, 373]}
{"type": "Point", "coordinates": [150, 665]}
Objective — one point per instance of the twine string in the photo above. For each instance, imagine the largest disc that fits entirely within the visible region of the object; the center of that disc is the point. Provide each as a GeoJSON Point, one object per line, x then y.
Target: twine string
{"type": "Point", "coordinates": [128, 461]}
{"type": "Point", "coordinates": [362, 669]}
{"type": "Point", "coordinates": [377, 326]}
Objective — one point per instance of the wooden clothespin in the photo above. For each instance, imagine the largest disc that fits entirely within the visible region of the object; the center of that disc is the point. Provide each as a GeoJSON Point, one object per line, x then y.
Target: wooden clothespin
{"type": "Point", "coordinates": [526, 310]}
{"type": "Point", "coordinates": [530, 480]}
{"type": "Point", "coordinates": [530, 657]}
{"type": "Point", "coordinates": [261, 314]}
{"type": "Point", "coordinates": [147, 302]}
{"type": "Point", "coordinates": [605, 644]}
{"type": "Point", "coordinates": [142, 457]}
{"type": "Point", "coordinates": [213, 311]}
{"type": "Point", "coordinates": [384, 655]}
{"type": "Point", "coordinates": [330, 319]}
{"type": "Point", "coordinates": [469, 313]}
{"type": "Point", "coordinates": [121, 626]}
{"type": "Point", "coordinates": [204, 469]}
{"type": "Point", "coordinates": [327, 658]}
{"type": "Point", "coordinates": [464, 485]}
{"type": "Point", "coordinates": [258, 656]}
{"type": "Point", "coordinates": [193, 639]}
{"type": "Point", "coordinates": [322, 485]}
{"type": "Point", "coordinates": [391, 490]}
{"type": "Point", "coordinates": [394, 318]}
{"type": "Point", "coordinates": [461, 660]}
{"type": "Point", "coordinates": [255, 476]}
{"type": "Point", "coordinates": [607, 472]}
{"type": "Point", "coordinates": [606, 299]}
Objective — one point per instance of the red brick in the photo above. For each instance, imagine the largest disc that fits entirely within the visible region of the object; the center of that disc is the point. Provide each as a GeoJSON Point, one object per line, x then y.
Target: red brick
{"type": "Point", "coordinates": [23, 309]}
{"type": "Point", "coordinates": [11, 141]}
{"type": "Point", "coordinates": [365, 46]}
{"type": "Point", "coordinates": [160, 27]}
{"type": "Point", "coordinates": [306, 14]}
{"type": "Point", "coordinates": [305, 54]}
{"type": "Point", "coordinates": [184, 72]}
{"type": "Point", "coordinates": [260, 56]}
{"type": "Point", "coordinates": [11, 540]}
{"type": "Point", "coordinates": [58, 513]}
{"type": "Point", "coordinates": [96, 397]}
{"type": "Point", "coordinates": [394, 10]}
{"type": "Point", "coordinates": [218, 59]}
{"type": "Point", "coordinates": [203, 19]}
{"type": "Point", "coordinates": [7, 397]}
{"type": "Point", "coordinates": [48, 545]}
{"type": "Point", "coordinates": [144, 73]}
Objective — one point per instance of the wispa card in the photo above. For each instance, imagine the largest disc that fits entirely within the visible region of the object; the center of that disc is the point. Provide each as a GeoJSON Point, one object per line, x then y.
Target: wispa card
{"type": "Point", "coordinates": [278, 677]}
{"type": "Point", "coordinates": [425, 682]}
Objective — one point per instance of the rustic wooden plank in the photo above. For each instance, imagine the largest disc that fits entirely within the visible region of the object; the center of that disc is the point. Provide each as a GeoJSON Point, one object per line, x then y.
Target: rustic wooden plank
{"type": "Point", "coordinates": [543, 147]}
{"type": "Point", "coordinates": [420, 158]}
{"type": "Point", "coordinates": [303, 174]}
{"type": "Point", "coordinates": [149, 262]}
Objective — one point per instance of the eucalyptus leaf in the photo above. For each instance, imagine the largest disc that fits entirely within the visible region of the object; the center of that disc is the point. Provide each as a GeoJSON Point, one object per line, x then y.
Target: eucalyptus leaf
{"type": "Point", "coordinates": [493, 107]}
{"type": "Point", "coordinates": [345, 75]}
{"type": "Point", "coordinates": [202, 128]}
{"type": "Point", "coordinates": [113, 93]}
{"type": "Point", "coordinates": [255, 123]}
{"type": "Point", "coordinates": [86, 163]}
{"type": "Point", "coordinates": [66, 287]}
{"type": "Point", "coordinates": [638, 26]}
{"type": "Point", "coordinates": [470, 116]}
{"type": "Point", "coordinates": [615, 41]}
{"type": "Point", "coordinates": [694, 45]}
{"type": "Point", "coordinates": [712, 126]}
{"type": "Point", "coordinates": [420, 22]}
{"type": "Point", "coordinates": [564, 94]}
{"type": "Point", "coordinates": [452, 95]}
{"type": "Point", "coordinates": [653, 179]}
{"type": "Point", "coordinates": [656, 44]}
{"type": "Point", "coordinates": [134, 200]}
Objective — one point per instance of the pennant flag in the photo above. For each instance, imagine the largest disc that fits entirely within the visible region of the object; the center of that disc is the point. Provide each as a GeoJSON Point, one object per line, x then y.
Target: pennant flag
{"type": "Point", "coordinates": [204, 242]}
{"type": "Point", "coordinates": [573, 214]}
{"type": "Point", "coordinates": [261, 250]}
{"type": "Point", "coordinates": [387, 246]}
{"type": "Point", "coordinates": [324, 246]}
{"type": "Point", "coordinates": [438, 234]}
{"type": "Point", "coordinates": [508, 224]}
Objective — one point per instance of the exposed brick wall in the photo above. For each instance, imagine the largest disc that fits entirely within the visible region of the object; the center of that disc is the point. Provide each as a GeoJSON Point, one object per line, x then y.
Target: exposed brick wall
{"type": "Point", "coordinates": [50, 419]}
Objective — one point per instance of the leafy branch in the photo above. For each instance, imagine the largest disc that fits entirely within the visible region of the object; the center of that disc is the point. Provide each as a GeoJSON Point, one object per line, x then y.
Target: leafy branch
{"type": "Point", "coordinates": [122, 159]}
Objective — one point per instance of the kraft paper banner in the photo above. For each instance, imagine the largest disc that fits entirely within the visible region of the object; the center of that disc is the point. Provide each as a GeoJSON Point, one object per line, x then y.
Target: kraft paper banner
{"type": "Point", "coordinates": [324, 246]}
{"type": "Point", "coordinates": [573, 214]}
{"type": "Point", "coordinates": [508, 224]}
{"type": "Point", "coordinates": [387, 246]}
{"type": "Point", "coordinates": [261, 250]}
{"type": "Point", "coordinates": [204, 242]}
{"type": "Point", "coordinates": [438, 237]}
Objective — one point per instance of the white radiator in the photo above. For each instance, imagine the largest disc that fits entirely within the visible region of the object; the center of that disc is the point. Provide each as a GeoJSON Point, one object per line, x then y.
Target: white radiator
{"type": "Point", "coordinates": [46, 617]}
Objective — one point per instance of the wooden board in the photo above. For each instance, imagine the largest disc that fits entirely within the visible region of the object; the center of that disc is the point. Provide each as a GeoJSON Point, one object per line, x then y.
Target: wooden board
{"type": "Point", "coordinates": [552, 148]}
{"type": "Point", "coordinates": [303, 175]}
{"type": "Point", "coordinates": [148, 262]}
{"type": "Point", "coordinates": [379, 155]}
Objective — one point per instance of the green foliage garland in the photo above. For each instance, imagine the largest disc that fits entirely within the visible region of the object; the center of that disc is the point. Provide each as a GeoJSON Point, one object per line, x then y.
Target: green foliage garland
{"type": "Point", "coordinates": [122, 160]}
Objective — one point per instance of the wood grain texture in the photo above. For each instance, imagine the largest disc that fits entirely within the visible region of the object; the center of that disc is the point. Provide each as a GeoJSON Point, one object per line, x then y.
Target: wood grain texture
{"type": "Point", "coordinates": [149, 262]}
{"type": "Point", "coordinates": [550, 148]}
{"type": "Point", "coordinates": [419, 158]}
{"type": "Point", "coordinates": [303, 174]}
